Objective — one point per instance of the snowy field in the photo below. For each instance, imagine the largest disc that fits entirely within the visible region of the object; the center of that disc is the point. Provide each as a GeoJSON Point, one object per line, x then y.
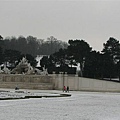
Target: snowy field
{"type": "Point", "coordinates": [80, 106]}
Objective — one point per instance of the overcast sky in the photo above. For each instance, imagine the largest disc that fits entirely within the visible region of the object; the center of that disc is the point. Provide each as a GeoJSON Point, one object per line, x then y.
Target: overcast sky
{"type": "Point", "coordinates": [91, 20]}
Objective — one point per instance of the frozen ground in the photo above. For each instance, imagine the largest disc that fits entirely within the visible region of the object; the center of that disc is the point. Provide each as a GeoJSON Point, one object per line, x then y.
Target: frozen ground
{"type": "Point", "coordinates": [12, 94]}
{"type": "Point", "coordinates": [80, 106]}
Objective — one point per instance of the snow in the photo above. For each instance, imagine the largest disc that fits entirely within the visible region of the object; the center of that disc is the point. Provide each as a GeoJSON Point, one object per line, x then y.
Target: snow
{"type": "Point", "coordinates": [38, 58]}
{"type": "Point", "coordinates": [21, 94]}
{"type": "Point", "coordinates": [80, 106]}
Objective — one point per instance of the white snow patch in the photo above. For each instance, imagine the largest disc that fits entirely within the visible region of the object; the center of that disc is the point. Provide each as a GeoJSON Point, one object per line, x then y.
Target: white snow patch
{"type": "Point", "coordinates": [80, 106]}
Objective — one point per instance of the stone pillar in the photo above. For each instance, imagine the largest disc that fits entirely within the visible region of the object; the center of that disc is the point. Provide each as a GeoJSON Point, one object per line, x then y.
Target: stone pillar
{"type": "Point", "coordinates": [76, 75]}
{"type": "Point", "coordinates": [60, 80]}
{"type": "Point", "coordinates": [54, 81]}
{"type": "Point", "coordinates": [66, 79]}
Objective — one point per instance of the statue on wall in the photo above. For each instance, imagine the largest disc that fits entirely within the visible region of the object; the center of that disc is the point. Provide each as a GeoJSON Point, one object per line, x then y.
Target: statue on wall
{"type": "Point", "coordinates": [1, 71]}
{"type": "Point", "coordinates": [6, 70]}
{"type": "Point", "coordinates": [25, 68]}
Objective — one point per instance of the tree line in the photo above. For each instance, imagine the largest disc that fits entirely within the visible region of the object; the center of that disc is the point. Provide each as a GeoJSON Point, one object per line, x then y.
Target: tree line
{"type": "Point", "coordinates": [12, 49]}
{"type": "Point", "coordinates": [93, 64]}
{"type": "Point", "coordinates": [32, 45]}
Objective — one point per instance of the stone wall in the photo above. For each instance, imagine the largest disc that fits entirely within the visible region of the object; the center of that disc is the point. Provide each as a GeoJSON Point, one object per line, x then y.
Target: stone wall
{"type": "Point", "coordinates": [85, 84]}
{"type": "Point", "coordinates": [26, 81]}
{"type": "Point", "coordinates": [57, 81]}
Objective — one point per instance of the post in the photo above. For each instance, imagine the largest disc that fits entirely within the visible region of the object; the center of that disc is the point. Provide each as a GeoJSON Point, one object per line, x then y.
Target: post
{"type": "Point", "coordinates": [63, 78]}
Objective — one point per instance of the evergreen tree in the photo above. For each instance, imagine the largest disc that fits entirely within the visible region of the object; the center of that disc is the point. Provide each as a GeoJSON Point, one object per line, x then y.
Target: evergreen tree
{"type": "Point", "coordinates": [111, 53]}
{"type": "Point", "coordinates": [79, 49]}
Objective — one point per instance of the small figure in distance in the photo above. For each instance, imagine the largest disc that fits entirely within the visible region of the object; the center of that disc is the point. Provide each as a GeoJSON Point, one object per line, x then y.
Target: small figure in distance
{"type": "Point", "coordinates": [64, 89]}
{"type": "Point", "coordinates": [16, 88]}
{"type": "Point", "coordinates": [67, 88]}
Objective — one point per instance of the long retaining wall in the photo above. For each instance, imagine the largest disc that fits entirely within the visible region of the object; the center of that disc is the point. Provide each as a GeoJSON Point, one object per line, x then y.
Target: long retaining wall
{"type": "Point", "coordinates": [57, 81]}
{"type": "Point", "coordinates": [26, 81]}
{"type": "Point", "coordinates": [85, 84]}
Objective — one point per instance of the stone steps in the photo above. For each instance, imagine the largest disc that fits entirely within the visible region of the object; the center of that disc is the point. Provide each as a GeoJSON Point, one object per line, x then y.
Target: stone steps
{"type": "Point", "coordinates": [27, 85]}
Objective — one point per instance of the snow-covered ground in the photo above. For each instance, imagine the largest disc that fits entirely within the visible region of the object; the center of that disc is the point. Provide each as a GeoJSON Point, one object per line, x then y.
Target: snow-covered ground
{"type": "Point", "coordinates": [80, 106]}
{"type": "Point", "coordinates": [12, 94]}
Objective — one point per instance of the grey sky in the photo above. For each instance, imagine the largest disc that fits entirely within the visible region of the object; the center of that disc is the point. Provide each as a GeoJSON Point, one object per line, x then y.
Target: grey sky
{"type": "Point", "coordinates": [92, 20]}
